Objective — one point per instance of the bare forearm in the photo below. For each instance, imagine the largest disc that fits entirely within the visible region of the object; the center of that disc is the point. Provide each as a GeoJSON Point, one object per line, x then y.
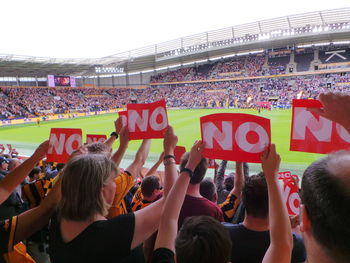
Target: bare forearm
{"type": "Point", "coordinates": [109, 142]}
{"type": "Point", "coordinates": [168, 223]}
{"type": "Point", "coordinates": [119, 154]}
{"type": "Point", "coordinates": [280, 230]}
{"type": "Point", "coordinates": [238, 180]}
{"type": "Point", "coordinates": [35, 219]}
{"type": "Point", "coordinates": [154, 168]}
{"type": "Point", "coordinates": [14, 178]}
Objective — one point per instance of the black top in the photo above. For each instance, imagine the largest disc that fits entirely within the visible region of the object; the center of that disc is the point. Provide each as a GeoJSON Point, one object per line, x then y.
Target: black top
{"type": "Point", "coordinates": [250, 246]}
{"type": "Point", "coordinates": [102, 241]}
{"type": "Point", "coordinates": [163, 255]}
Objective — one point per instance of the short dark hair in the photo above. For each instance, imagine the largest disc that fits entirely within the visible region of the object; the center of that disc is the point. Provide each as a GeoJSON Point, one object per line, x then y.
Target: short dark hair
{"type": "Point", "coordinates": [255, 196]}
{"type": "Point", "coordinates": [149, 185]}
{"type": "Point", "coordinates": [207, 189]}
{"type": "Point", "coordinates": [98, 148]}
{"type": "Point", "coordinates": [60, 166]}
{"type": "Point", "coordinates": [34, 171]}
{"type": "Point", "coordinates": [229, 182]}
{"type": "Point", "coordinates": [326, 198]}
{"type": "Point", "coordinates": [199, 172]}
{"type": "Point", "coordinates": [202, 239]}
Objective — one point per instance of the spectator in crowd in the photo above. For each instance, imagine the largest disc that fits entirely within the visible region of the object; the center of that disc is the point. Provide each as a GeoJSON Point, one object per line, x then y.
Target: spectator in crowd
{"type": "Point", "coordinates": [325, 193]}
{"type": "Point", "coordinates": [199, 233]}
{"type": "Point", "coordinates": [52, 171]}
{"type": "Point", "coordinates": [195, 204]}
{"type": "Point", "coordinates": [81, 232]}
{"type": "Point", "coordinates": [251, 238]}
{"type": "Point", "coordinates": [34, 174]}
{"type": "Point", "coordinates": [4, 164]}
{"type": "Point", "coordinates": [17, 228]}
{"type": "Point", "coordinates": [151, 191]}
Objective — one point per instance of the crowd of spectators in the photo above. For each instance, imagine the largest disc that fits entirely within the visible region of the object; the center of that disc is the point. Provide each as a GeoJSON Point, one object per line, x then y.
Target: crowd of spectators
{"type": "Point", "coordinates": [90, 210]}
{"type": "Point", "coordinates": [32, 102]}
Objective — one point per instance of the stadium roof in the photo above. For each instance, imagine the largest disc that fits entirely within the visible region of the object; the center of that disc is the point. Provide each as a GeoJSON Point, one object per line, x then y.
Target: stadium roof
{"type": "Point", "coordinates": [302, 29]}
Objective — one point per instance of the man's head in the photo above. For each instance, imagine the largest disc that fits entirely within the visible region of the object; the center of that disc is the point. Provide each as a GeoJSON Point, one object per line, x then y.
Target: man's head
{"type": "Point", "coordinates": [150, 187]}
{"type": "Point", "coordinates": [99, 148]}
{"type": "Point", "coordinates": [4, 163]}
{"type": "Point", "coordinates": [34, 173]}
{"type": "Point", "coordinates": [207, 189]}
{"type": "Point", "coordinates": [199, 172]}
{"type": "Point", "coordinates": [13, 163]}
{"type": "Point", "coordinates": [325, 194]}
{"type": "Point", "coordinates": [202, 239]}
{"type": "Point", "coordinates": [255, 196]}
{"type": "Point", "coordinates": [229, 182]}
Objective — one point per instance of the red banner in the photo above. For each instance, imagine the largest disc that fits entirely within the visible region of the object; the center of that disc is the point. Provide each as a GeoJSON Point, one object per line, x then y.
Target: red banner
{"type": "Point", "coordinates": [91, 138]}
{"type": "Point", "coordinates": [235, 136]}
{"type": "Point", "coordinates": [211, 163]}
{"type": "Point", "coordinates": [291, 195]}
{"type": "Point", "coordinates": [147, 121]}
{"type": "Point", "coordinates": [282, 175]}
{"type": "Point", "coordinates": [124, 117]}
{"type": "Point", "coordinates": [313, 133]}
{"type": "Point", "coordinates": [62, 143]}
{"type": "Point", "coordinates": [178, 152]}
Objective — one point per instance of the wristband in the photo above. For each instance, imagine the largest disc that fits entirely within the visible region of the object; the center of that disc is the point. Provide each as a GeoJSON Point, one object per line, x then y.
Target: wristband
{"type": "Point", "coordinates": [168, 161]}
{"type": "Point", "coordinates": [114, 134]}
{"type": "Point", "coordinates": [190, 172]}
{"type": "Point", "coordinates": [169, 156]}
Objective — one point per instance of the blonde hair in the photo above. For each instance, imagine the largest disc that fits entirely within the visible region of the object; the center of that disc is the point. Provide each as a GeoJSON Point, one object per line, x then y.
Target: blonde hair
{"type": "Point", "coordinates": [82, 181]}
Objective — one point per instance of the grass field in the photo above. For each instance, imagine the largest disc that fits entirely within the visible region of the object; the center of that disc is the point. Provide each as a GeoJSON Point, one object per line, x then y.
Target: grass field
{"type": "Point", "coordinates": [26, 137]}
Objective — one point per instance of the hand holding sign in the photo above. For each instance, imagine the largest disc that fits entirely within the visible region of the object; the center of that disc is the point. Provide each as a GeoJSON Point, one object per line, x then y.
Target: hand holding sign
{"type": "Point", "coordinates": [195, 155]}
{"type": "Point", "coordinates": [336, 107]}
{"type": "Point", "coordinates": [123, 116]}
{"type": "Point", "coordinates": [314, 133]}
{"type": "Point", "coordinates": [235, 137]}
{"type": "Point", "coordinates": [170, 141]}
{"type": "Point", "coordinates": [42, 150]}
{"type": "Point", "coordinates": [270, 162]}
{"type": "Point", "coordinates": [147, 121]}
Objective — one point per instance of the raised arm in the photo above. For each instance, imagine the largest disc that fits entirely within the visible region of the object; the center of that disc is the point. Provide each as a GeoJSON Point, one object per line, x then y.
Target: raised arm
{"type": "Point", "coordinates": [36, 218]}
{"type": "Point", "coordinates": [155, 167]}
{"type": "Point", "coordinates": [14, 178]}
{"type": "Point", "coordinates": [123, 146]}
{"type": "Point", "coordinates": [168, 223]}
{"type": "Point", "coordinates": [118, 125]}
{"type": "Point", "coordinates": [219, 177]}
{"type": "Point", "coordinates": [147, 219]}
{"type": "Point", "coordinates": [336, 107]}
{"type": "Point", "coordinates": [230, 205]}
{"type": "Point", "coordinates": [281, 241]}
{"type": "Point", "coordinates": [170, 173]}
{"type": "Point", "coordinates": [140, 158]}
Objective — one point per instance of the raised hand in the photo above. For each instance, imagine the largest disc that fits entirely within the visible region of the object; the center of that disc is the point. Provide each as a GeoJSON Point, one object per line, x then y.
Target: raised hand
{"type": "Point", "coordinates": [118, 125]}
{"type": "Point", "coordinates": [42, 149]}
{"type": "Point", "coordinates": [195, 155]}
{"type": "Point", "coordinates": [124, 135]}
{"type": "Point", "coordinates": [270, 162]}
{"type": "Point", "coordinates": [336, 107]}
{"type": "Point", "coordinates": [170, 141]}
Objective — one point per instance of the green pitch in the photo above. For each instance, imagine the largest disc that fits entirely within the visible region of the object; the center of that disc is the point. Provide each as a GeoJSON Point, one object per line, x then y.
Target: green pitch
{"type": "Point", "coordinates": [26, 137]}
